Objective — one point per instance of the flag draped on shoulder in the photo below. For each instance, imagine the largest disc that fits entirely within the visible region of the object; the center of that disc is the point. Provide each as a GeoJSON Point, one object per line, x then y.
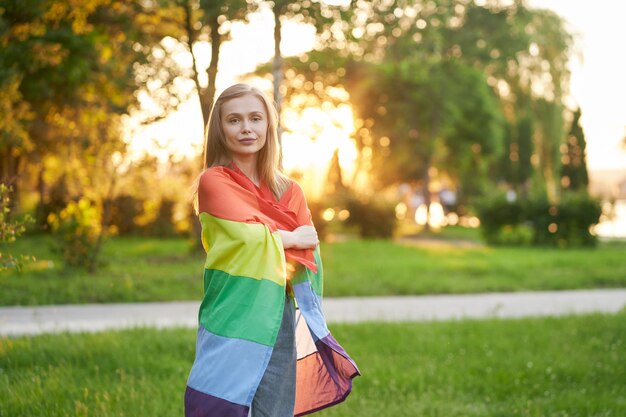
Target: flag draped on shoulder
{"type": "Point", "coordinates": [245, 280]}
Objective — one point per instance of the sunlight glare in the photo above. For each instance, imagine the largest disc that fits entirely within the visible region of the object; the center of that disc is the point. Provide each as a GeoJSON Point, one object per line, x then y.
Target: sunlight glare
{"type": "Point", "coordinates": [311, 139]}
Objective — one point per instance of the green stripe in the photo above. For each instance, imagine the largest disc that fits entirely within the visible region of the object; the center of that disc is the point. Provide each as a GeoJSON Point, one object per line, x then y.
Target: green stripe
{"type": "Point", "coordinates": [243, 249]}
{"type": "Point", "coordinates": [241, 307]}
{"type": "Point", "coordinates": [316, 279]}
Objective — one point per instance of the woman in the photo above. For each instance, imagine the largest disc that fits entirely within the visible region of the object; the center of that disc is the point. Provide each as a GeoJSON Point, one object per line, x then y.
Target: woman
{"type": "Point", "coordinates": [256, 354]}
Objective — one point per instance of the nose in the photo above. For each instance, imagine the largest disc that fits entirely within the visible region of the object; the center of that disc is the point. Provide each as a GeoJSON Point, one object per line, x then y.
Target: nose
{"type": "Point", "coordinates": [245, 126]}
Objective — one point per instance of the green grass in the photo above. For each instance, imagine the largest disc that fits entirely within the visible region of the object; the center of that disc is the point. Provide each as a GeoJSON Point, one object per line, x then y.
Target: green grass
{"type": "Point", "coordinates": [382, 268]}
{"type": "Point", "coordinates": [140, 269]}
{"type": "Point", "coordinates": [136, 269]}
{"type": "Point", "coordinates": [572, 366]}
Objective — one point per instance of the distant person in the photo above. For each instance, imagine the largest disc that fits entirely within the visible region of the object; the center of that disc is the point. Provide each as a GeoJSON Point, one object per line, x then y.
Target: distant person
{"type": "Point", "coordinates": [262, 252]}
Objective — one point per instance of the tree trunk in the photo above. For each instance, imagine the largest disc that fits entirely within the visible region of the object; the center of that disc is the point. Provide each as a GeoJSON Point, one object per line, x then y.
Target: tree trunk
{"type": "Point", "coordinates": [41, 190]}
{"type": "Point", "coordinates": [426, 191]}
{"type": "Point", "coordinates": [104, 223]}
{"type": "Point", "coordinates": [208, 94]}
{"type": "Point", "coordinates": [191, 39]}
{"type": "Point", "coordinates": [277, 74]}
{"type": "Point", "coordinates": [9, 172]}
{"type": "Point", "coordinates": [434, 132]}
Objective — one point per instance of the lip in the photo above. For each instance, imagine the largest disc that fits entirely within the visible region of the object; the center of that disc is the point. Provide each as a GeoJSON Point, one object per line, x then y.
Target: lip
{"type": "Point", "coordinates": [246, 140]}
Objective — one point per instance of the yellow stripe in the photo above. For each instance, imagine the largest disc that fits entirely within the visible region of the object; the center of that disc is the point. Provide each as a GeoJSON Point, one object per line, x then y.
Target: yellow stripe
{"type": "Point", "coordinates": [243, 249]}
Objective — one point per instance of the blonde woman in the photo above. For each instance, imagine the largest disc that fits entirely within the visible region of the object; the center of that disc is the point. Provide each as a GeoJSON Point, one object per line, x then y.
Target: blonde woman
{"type": "Point", "coordinates": [256, 352]}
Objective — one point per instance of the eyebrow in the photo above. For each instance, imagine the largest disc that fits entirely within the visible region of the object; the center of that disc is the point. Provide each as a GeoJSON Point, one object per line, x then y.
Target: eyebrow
{"type": "Point", "coordinates": [251, 113]}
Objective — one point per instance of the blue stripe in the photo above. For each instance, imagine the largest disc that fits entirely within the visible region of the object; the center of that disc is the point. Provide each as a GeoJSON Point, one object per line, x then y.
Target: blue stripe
{"type": "Point", "coordinates": [311, 308]}
{"type": "Point", "coordinates": [228, 368]}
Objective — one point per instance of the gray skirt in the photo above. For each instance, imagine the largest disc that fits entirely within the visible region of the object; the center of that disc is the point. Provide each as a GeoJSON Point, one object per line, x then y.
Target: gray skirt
{"type": "Point", "coordinates": [276, 394]}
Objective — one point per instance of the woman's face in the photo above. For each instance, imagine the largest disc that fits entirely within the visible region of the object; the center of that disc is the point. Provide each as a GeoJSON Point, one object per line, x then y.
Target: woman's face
{"type": "Point", "coordinates": [244, 123]}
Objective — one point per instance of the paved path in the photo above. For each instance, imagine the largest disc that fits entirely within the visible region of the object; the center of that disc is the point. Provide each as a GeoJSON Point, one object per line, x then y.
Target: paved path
{"type": "Point", "coordinates": [16, 321]}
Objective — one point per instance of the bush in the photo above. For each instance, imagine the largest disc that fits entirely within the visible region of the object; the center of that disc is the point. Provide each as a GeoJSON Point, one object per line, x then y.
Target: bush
{"type": "Point", "coordinates": [373, 219]}
{"type": "Point", "coordinates": [79, 231]}
{"type": "Point", "coordinates": [123, 211]}
{"type": "Point", "coordinates": [58, 198]}
{"type": "Point", "coordinates": [576, 213]}
{"type": "Point", "coordinates": [518, 235]}
{"type": "Point", "coordinates": [163, 223]}
{"type": "Point", "coordinates": [10, 230]}
{"type": "Point", "coordinates": [497, 213]}
{"type": "Point", "coordinates": [538, 222]}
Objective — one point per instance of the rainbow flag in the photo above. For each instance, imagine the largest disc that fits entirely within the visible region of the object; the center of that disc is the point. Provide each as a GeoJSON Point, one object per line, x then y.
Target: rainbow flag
{"type": "Point", "coordinates": [245, 280]}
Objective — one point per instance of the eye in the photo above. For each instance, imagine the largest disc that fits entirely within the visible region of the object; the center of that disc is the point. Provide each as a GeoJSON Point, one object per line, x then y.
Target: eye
{"type": "Point", "coordinates": [257, 118]}
{"type": "Point", "coordinates": [233, 120]}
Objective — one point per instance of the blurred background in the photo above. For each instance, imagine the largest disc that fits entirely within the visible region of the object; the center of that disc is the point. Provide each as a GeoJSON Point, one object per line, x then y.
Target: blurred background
{"type": "Point", "coordinates": [399, 118]}
{"type": "Point", "coordinates": [446, 147]}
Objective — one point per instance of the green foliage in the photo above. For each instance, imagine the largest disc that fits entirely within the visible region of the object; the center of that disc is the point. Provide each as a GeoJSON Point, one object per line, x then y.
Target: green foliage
{"type": "Point", "coordinates": [496, 212]}
{"type": "Point", "coordinates": [518, 235]}
{"type": "Point", "coordinates": [10, 230]}
{"type": "Point", "coordinates": [123, 211]}
{"type": "Point", "coordinates": [431, 84]}
{"type": "Point", "coordinates": [575, 214]}
{"type": "Point", "coordinates": [540, 367]}
{"type": "Point", "coordinates": [78, 231]}
{"type": "Point", "coordinates": [163, 223]}
{"type": "Point", "coordinates": [69, 71]}
{"type": "Point", "coordinates": [574, 170]}
{"type": "Point", "coordinates": [374, 218]}
{"type": "Point", "coordinates": [535, 220]}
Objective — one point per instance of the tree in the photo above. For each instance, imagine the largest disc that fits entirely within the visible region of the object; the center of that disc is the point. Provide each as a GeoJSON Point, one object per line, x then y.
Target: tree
{"type": "Point", "coordinates": [574, 170]}
{"type": "Point", "coordinates": [74, 71]}
{"type": "Point", "coordinates": [209, 20]}
{"type": "Point", "coordinates": [520, 53]}
{"type": "Point", "coordinates": [316, 13]}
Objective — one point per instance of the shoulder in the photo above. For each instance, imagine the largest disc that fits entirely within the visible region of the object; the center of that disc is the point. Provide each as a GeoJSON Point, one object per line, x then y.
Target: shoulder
{"type": "Point", "coordinates": [292, 190]}
{"type": "Point", "coordinates": [211, 173]}
{"type": "Point", "coordinates": [295, 200]}
{"type": "Point", "coordinates": [212, 178]}
{"type": "Point", "coordinates": [297, 190]}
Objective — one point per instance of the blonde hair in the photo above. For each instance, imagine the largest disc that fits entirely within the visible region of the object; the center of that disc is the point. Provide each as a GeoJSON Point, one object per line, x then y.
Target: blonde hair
{"type": "Point", "coordinates": [216, 152]}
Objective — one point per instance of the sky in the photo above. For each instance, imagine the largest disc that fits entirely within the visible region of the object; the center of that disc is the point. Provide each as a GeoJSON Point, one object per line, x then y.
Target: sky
{"type": "Point", "coordinates": [598, 81]}
{"type": "Point", "coordinates": [598, 84]}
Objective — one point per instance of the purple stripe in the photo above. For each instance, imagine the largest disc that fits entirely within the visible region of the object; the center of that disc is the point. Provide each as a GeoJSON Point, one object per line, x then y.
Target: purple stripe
{"type": "Point", "coordinates": [331, 342]}
{"type": "Point", "coordinates": [326, 347]}
{"type": "Point", "coordinates": [198, 404]}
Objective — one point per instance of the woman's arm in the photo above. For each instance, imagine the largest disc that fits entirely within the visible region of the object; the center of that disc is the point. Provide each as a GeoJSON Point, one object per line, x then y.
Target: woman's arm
{"type": "Point", "coordinates": [304, 237]}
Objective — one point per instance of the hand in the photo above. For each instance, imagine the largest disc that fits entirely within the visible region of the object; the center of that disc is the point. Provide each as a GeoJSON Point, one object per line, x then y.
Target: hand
{"type": "Point", "coordinates": [303, 237]}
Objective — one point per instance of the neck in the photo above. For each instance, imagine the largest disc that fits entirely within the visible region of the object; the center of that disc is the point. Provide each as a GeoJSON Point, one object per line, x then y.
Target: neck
{"type": "Point", "coordinates": [248, 167]}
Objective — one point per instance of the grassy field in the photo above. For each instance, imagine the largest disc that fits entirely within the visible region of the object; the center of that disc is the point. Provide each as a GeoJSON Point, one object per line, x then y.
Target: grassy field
{"type": "Point", "coordinates": [139, 269]}
{"type": "Point", "coordinates": [572, 366]}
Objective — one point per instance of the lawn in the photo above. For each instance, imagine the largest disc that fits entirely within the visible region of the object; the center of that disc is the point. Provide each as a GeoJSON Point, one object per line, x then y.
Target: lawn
{"type": "Point", "coordinates": [569, 366]}
{"type": "Point", "coordinates": [140, 269]}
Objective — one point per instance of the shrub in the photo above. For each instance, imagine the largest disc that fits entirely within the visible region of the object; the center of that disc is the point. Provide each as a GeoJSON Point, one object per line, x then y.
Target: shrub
{"type": "Point", "coordinates": [58, 198]}
{"type": "Point", "coordinates": [518, 235]}
{"type": "Point", "coordinates": [374, 219]}
{"type": "Point", "coordinates": [163, 223]}
{"type": "Point", "coordinates": [123, 211]}
{"type": "Point", "coordinates": [79, 231]}
{"type": "Point", "coordinates": [496, 213]}
{"type": "Point", "coordinates": [10, 230]}
{"type": "Point", "coordinates": [576, 213]}
{"type": "Point", "coordinates": [537, 221]}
